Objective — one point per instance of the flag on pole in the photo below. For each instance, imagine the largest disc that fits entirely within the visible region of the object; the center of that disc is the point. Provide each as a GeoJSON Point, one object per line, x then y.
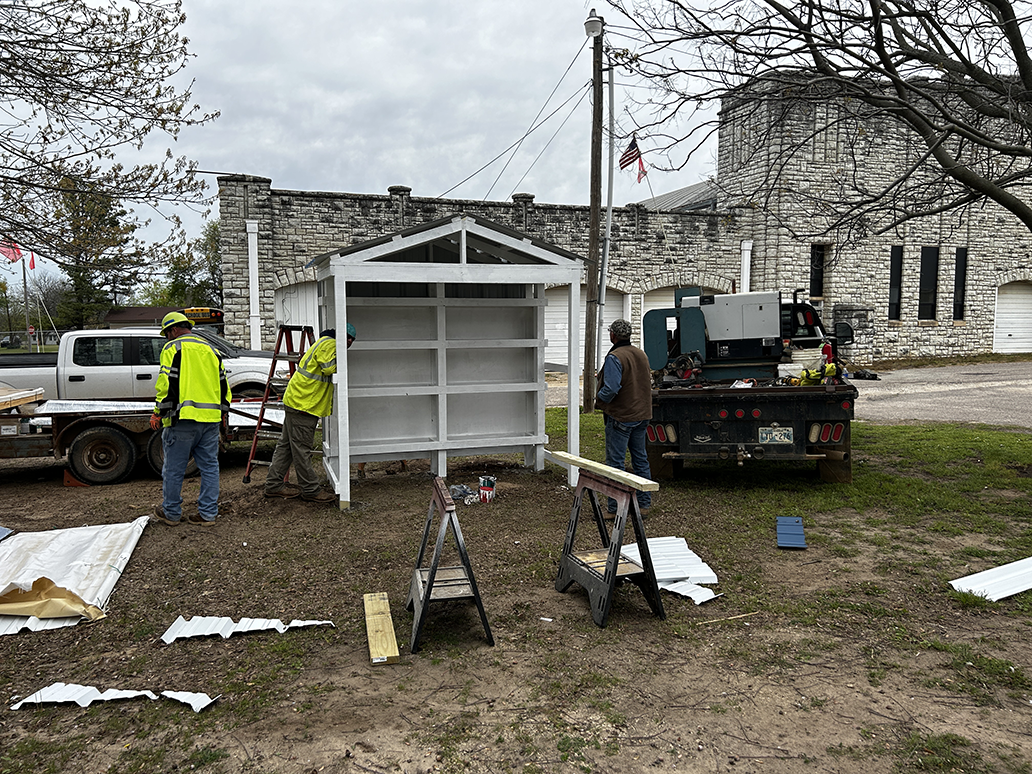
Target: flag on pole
{"type": "Point", "coordinates": [10, 251]}
{"type": "Point", "coordinates": [630, 155]}
{"type": "Point", "coordinates": [641, 174]}
{"type": "Point", "coordinates": [32, 255]}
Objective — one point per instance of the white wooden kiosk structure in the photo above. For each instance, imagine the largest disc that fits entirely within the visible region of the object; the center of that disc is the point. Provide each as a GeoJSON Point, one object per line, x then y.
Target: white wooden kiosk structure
{"type": "Point", "coordinates": [450, 355]}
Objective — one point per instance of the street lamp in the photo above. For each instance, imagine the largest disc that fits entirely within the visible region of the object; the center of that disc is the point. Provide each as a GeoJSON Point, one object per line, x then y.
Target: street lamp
{"type": "Point", "coordinates": [593, 28]}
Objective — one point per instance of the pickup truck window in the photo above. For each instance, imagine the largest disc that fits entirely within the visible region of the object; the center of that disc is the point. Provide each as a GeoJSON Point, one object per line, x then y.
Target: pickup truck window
{"type": "Point", "coordinates": [101, 351]}
{"type": "Point", "coordinates": [150, 350]}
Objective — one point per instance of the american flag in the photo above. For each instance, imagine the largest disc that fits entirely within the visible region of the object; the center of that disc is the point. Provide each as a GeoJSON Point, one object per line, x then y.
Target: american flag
{"type": "Point", "coordinates": [630, 155]}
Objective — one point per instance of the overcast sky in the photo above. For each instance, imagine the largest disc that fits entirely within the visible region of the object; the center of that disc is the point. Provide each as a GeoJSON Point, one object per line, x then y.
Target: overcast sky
{"type": "Point", "coordinates": [359, 95]}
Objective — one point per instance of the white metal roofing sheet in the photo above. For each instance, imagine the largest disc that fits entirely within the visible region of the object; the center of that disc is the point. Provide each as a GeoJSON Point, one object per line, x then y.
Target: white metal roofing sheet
{"type": "Point", "coordinates": [673, 560]}
{"type": "Point", "coordinates": [999, 582]}
{"type": "Point", "coordinates": [203, 626]}
{"type": "Point", "coordinates": [84, 695]}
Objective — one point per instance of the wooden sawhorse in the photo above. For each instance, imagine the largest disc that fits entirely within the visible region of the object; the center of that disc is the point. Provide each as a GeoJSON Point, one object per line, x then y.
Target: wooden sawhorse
{"type": "Point", "coordinates": [599, 571]}
{"type": "Point", "coordinates": [435, 583]}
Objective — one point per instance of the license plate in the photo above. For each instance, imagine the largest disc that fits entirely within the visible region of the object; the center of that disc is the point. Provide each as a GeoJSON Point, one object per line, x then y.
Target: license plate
{"type": "Point", "coordinates": [775, 435]}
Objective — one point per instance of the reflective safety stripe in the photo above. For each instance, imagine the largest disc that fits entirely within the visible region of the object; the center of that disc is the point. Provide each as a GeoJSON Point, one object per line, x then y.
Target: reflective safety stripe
{"type": "Point", "coordinates": [219, 406]}
{"type": "Point", "coordinates": [316, 377]}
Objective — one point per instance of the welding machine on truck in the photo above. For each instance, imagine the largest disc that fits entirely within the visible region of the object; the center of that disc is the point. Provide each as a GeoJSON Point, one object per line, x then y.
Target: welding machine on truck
{"type": "Point", "coordinates": [718, 394]}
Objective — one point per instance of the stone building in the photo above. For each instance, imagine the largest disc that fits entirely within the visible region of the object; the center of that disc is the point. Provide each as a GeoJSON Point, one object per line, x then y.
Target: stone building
{"type": "Point", "coordinates": [268, 235]}
{"type": "Point", "coordinates": [955, 283]}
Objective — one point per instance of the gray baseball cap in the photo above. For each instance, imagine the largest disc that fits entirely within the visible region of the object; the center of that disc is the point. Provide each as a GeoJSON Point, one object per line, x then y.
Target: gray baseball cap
{"type": "Point", "coordinates": [621, 329]}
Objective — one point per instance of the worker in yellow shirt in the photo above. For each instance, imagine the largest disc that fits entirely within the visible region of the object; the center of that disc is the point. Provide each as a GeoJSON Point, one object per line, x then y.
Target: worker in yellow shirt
{"type": "Point", "coordinates": [308, 397]}
{"type": "Point", "coordinates": [192, 400]}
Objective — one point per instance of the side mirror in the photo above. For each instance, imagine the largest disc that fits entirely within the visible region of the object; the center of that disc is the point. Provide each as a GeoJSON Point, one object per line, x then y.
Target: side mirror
{"type": "Point", "coordinates": [844, 333]}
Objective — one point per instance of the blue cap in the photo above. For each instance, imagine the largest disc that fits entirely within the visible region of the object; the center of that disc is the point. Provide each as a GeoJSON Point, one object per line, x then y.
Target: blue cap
{"type": "Point", "coordinates": [351, 331]}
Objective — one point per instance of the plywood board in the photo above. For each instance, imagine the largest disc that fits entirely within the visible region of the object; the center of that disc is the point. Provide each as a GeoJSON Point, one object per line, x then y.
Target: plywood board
{"type": "Point", "coordinates": [383, 645]}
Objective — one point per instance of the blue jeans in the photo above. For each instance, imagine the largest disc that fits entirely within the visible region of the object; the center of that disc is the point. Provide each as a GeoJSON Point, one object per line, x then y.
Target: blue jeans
{"type": "Point", "coordinates": [185, 439]}
{"type": "Point", "coordinates": [622, 437]}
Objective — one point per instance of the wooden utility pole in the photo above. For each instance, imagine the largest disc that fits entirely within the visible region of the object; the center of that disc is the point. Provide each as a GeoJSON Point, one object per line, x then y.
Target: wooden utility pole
{"type": "Point", "coordinates": [595, 216]}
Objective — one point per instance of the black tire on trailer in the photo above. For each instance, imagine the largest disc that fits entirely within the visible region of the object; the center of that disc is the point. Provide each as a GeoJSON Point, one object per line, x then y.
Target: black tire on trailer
{"type": "Point", "coordinates": [102, 455]}
{"type": "Point", "coordinates": [156, 456]}
{"type": "Point", "coordinates": [250, 391]}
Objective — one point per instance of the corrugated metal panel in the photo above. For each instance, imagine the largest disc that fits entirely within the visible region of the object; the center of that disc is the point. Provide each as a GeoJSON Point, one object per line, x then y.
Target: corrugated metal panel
{"type": "Point", "coordinates": [204, 626]}
{"type": "Point", "coordinates": [673, 560]}
{"type": "Point", "coordinates": [790, 532]}
{"type": "Point", "coordinates": [12, 624]}
{"type": "Point", "coordinates": [84, 695]}
{"type": "Point", "coordinates": [999, 582]}
{"type": "Point", "coordinates": [697, 594]}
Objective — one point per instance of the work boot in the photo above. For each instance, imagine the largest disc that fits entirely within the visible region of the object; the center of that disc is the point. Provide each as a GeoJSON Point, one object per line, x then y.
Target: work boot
{"type": "Point", "coordinates": [160, 517]}
{"type": "Point", "coordinates": [197, 520]}
{"type": "Point", "coordinates": [320, 497]}
{"type": "Point", "coordinates": [287, 492]}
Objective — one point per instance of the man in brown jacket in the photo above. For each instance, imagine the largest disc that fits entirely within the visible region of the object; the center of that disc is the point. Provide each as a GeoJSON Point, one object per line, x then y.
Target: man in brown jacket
{"type": "Point", "coordinates": [625, 397]}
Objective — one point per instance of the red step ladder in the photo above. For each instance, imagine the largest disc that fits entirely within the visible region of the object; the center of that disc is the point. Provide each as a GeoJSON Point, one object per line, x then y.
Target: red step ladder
{"type": "Point", "coordinates": [284, 352]}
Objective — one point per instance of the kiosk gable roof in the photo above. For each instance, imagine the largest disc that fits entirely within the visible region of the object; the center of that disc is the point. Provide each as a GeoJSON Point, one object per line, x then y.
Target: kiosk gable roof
{"type": "Point", "coordinates": [459, 239]}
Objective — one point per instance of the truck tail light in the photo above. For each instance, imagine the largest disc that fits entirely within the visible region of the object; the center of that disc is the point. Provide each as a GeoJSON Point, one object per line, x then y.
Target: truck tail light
{"type": "Point", "coordinates": [826, 432]}
{"type": "Point", "coordinates": [756, 413]}
{"type": "Point", "coordinates": [722, 413]}
{"type": "Point", "coordinates": [847, 405]}
{"type": "Point", "coordinates": [657, 433]}
{"type": "Point", "coordinates": [739, 413]}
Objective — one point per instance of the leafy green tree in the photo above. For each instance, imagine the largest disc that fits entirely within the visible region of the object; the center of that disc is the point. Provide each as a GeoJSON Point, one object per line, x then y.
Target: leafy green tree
{"type": "Point", "coordinates": [97, 252]}
{"type": "Point", "coordinates": [81, 81]}
{"type": "Point", "coordinates": [194, 276]}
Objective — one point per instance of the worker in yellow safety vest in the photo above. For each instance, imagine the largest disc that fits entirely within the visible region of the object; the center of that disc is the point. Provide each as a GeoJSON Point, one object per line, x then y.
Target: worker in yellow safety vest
{"type": "Point", "coordinates": [308, 397]}
{"type": "Point", "coordinates": [192, 399]}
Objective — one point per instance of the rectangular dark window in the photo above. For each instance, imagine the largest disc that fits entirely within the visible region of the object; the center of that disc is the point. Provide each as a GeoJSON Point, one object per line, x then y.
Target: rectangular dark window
{"type": "Point", "coordinates": [929, 283]}
{"type": "Point", "coordinates": [959, 283]}
{"type": "Point", "coordinates": [818, 257]}
{"type": "Point", "coordinates": [895, 281]}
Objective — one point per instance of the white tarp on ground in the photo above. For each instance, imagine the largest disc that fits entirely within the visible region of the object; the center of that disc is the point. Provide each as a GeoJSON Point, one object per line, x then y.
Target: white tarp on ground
{"type": "Point", "coordinates": [62, 575]}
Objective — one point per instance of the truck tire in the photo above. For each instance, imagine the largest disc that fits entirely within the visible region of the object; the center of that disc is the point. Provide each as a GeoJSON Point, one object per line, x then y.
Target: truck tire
{"type": "Point", "coordinates": [102, 455]}
{"type": "Point", "coordinates": [156, 456]}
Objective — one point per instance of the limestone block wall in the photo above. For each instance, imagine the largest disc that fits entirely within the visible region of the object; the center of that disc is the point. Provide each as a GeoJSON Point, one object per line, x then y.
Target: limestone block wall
{"type": "Point", "coordinates": [780, 200]}
{"type": "Point", "coordinates": [648, 249]}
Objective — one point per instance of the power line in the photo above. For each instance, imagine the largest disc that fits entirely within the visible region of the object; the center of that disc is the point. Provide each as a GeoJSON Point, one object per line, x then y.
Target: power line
{"type": "Point", "coordinates": [537, 158]}
{"type": "Point", "coordinates": [554, 90]}
{"type": "Point", "coordinates": [529, 132]}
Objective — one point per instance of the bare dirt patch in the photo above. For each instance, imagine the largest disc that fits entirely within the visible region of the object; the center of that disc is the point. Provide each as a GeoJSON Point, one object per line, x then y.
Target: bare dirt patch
{"type": "Point", "coordinates": [834, 671]}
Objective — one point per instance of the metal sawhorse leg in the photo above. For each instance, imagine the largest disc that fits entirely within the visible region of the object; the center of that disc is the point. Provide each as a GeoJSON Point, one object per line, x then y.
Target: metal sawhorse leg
{"type": "Point", "coordinates": [436, 583]}
{"type": "Point", "coordinates": [599, 571]}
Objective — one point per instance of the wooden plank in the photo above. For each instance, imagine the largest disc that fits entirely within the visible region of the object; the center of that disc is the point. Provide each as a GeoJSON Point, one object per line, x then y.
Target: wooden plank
{"type": "Point", "coordinates": [383, 646]}
{"type": "Point", "coordinates": [9, 398]}
{"type": "Point", "coordinates": [596, 562]}
{"type": "Point", "coordinates": [621, 476]}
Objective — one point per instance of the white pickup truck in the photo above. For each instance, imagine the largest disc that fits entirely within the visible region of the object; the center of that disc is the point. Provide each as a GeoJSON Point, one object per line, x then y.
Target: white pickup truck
{"type": "Point", "coordinates": [122, 364]}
